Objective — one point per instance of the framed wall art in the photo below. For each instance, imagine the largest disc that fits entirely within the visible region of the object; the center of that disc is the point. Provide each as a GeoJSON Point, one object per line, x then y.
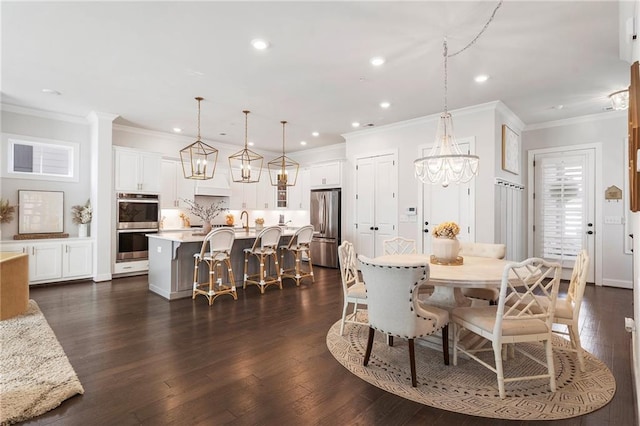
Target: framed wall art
{"type": "Point", "coordinates": [510, 150]}
{"type": "Point", "coordinates": [40, 212]}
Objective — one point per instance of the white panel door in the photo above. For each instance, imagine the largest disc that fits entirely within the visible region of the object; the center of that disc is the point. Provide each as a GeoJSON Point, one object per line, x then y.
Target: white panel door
{"type": "Point", "coordinates": [365, 207]}
{"type": "Point", "coordinates": [376, 206]}
{"type": "Point", "coordinates": [386, 208]}
{"type": "Point", "coordinates": [564, 208]}
{"type": "Point", "coordinates": [450, 204]}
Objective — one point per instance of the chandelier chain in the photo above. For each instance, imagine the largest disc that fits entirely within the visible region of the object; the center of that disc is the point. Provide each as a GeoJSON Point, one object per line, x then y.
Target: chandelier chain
{"type": "Point", "coordinates": [486, 25]}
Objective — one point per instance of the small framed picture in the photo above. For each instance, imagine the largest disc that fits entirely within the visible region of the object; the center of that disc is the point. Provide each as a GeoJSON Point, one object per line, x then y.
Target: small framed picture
{"type": "Point", "coordinates": [510, 150]}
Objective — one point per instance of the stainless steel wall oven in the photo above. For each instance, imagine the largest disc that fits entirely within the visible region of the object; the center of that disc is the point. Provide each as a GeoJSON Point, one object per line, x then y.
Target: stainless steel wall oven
{"type": "Point", "coordinates": [137, 215]}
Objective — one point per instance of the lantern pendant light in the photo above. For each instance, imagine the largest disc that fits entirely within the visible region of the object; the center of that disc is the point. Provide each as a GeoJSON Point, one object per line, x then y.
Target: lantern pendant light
{"type": "Point", "coordinates": [283, 171]}
{"type": "Point", "coordinates": [245, 165]}
{"type": "Point", "coordinates": [198, 159]}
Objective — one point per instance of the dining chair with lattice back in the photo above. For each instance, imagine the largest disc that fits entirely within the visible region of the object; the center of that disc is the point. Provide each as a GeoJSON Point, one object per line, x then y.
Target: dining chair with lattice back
{"type": "Point", "coordinates": [353, 289]}
{"type": "Point", "coordinates": [264, 247]}
{"type": "Point", "coordinates": [395, 310]}
{"type": "Point", "coordinates": [298, 245]}
{"type": "Point", "coordinates": [216, 254]}
{"type": "Point", "coordinates": [519, 317]}
{"type": "Point", "coordinates": [567, 313]}
{"type": "Point", "coordinates": [399, 245]}
{"type": "Point", "coordinates": [494, 251]}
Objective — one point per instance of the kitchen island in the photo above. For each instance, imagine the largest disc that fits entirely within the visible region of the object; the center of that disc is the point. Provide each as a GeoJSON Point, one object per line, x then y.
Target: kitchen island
{"type": "Point", "coordinates": [171, 259]}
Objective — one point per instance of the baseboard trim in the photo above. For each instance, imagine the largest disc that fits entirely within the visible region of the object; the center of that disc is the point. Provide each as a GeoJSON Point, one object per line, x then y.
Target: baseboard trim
{"type": "Point", "coordinates": [617, 283]}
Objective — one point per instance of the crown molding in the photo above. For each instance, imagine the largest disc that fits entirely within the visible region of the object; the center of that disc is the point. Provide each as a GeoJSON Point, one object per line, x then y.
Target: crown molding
{"type": "Point", "coordinates": [488, 106]}
{"type": "Point", "coordinates": [606, 115]}
{"type": "Point", "coordinates": [510, 115]}
{"type": "Point", "coordinates": [44, 114]}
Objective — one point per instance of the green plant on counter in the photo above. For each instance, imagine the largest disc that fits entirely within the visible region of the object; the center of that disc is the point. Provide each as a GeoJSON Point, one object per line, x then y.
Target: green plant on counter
{"type": "Point", "coordinates": [6, 211]}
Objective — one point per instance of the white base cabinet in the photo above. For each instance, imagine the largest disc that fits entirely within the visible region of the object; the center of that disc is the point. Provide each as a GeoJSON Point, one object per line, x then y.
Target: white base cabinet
{"type": "Point", "coordinates": [55, 261]}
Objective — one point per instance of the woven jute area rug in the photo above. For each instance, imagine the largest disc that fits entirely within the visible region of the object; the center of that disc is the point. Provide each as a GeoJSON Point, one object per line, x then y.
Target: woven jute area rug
{"type": "Point", "coordinates": [35, 373]}
{"type": "Point", "coordinates": [472, 389]}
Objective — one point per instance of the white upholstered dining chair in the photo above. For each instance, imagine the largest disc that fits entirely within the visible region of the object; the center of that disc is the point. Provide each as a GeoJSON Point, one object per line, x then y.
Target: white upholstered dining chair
{"type": "Point", "coordinates": [528, 319]}
{"type": "Point", "coordinates": [353, 288]}
{"type": "Point", "coordinates": [494, 251]}
{"type": "Point", "coordinates": [216, 254]}
{"type": "Point", "coordinates": [399, 245]}
{"type": "Point", "coordinates": [395, 310]}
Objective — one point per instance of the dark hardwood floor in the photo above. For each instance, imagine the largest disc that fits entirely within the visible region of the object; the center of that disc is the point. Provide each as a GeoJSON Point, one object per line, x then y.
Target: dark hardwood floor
{"type": "Point", "coordinates": [260, 360]}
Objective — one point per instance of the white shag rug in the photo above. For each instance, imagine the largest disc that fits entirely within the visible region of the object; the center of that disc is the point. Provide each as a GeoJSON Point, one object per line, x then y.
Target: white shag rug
{"type": "Point", "coordinates": [472, 389]}
{"type": "Point", "coordinates": [35, 373]}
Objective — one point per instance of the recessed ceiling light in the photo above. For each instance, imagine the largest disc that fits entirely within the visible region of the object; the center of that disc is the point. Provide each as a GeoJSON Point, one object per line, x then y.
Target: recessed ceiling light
{"type": "Point", "coordinates": [355, 124]}
{"type": "Point", "coordinates": [558, 106]}
{"type": "Point", "coordinates": [250, 144]}
{"type": "Point", "coordinates": [177, 129]}
{"type": "Point", "coordinates": [385, 104]}
{"type": "Point", "coordinates": [259, 44]}
{"type": "Point", "coordinates": [377, 61]}
{"type": "Point", "coordinates": [481, 78]}
{"type": "Point", "coordinates": [303, 142]}
{"type": "Point", "coordinates": [51, 92]}
{"type": "Point", "coordinates": [315, 134]}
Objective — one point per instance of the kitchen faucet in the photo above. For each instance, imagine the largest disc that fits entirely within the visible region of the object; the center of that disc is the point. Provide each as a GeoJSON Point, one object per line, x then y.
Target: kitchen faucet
{"type": "Point", "coordinates": [244, 212]}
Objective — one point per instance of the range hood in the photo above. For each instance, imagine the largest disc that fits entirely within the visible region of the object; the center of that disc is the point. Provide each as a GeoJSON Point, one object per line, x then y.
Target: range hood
{"type": "Point", "coordinates": [216, 187]}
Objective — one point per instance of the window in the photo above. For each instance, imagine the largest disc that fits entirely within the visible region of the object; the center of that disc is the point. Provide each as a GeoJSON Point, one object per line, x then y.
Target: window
{"type": "Point", "coordinates": [31, 158]}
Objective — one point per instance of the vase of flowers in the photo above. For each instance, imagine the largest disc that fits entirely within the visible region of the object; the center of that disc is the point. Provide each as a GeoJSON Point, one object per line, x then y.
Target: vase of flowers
{"type": "Point", "coordinates": [259, 224]}
{"type": "Point", "coordinates": [81, 215]}
{"type": "Point", "coordinates": [206, 213]}
{"type": "Point", "coordinates": [445, 246]}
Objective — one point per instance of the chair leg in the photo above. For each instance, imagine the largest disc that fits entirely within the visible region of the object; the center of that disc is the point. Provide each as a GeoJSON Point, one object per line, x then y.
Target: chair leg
{"type": "Point", "coordinates": [195, 278]}
{"type": "Point", "coordinates": [412, 363]}
{"type": "Point", "coordinates": [550, 366]}
{"type": "Point", "coordinates": [455, 343]}
{"type": "Point", "coordinates": [577, 345]}
{"type": "Point", "coordinates": [367, 353]}
{"type": "Point", "coordinates": [275, 260]}
{"type": "Point", "coordinates": [445, 344]}
{"type": "Point", "coordinates": [344, 317]}
{"type": "Point", "coordinates": [246, 266]}
{"type": "Point", "coordinates": [497, 354]}
{"type": "Point", "coordinates": [313, 280]}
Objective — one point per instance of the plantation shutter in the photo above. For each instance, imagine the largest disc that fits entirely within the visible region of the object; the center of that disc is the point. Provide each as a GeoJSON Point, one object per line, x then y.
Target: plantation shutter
{"type": "Point", "coordinates": [561, 207]}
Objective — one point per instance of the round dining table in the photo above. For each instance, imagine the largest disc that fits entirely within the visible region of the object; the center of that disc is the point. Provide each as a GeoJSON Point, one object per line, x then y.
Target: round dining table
{"type": "Point", "coordinates": [448, 280]}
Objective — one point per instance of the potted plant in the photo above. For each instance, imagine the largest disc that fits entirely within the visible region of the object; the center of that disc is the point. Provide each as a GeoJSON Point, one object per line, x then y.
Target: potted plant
{"type": "Point", "coordinates": [81, 215]}
{"type": "Point", "coordinates": [445, 245]}
{"type": "Point", "coordinates": [206, 213]}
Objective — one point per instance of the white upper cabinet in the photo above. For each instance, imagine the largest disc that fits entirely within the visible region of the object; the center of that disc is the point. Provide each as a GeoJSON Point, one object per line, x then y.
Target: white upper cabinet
{"type": "Point", "coordinates": [175, 187]}
{"type": "Point", "coordinates": [298, 195]}
{"type": "Point", "coordinates": [137, 171]}
{"type": "Point", "coordinates": [326, 175]}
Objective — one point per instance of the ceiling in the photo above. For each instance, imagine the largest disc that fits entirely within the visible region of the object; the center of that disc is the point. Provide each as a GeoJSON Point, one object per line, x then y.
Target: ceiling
{"type": "Point", "coordinates": [146, 61]}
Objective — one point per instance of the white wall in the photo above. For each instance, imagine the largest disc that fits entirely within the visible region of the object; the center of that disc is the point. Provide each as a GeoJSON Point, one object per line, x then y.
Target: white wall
{"type": "Point", "coordinates": [610, 130]}
{"type": "Point", "coordinates": [408, 137]}
{"type": "Point", "coordinates": [60, 128]}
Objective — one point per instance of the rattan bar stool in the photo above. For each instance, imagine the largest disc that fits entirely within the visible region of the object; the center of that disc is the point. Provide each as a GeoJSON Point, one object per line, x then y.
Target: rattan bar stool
{"type": "Point", "coordinates": [220, 241]}
{"type": "Point", "coordinates": [264, 247]}
{"type": "Point", "coordinates": [298, 245]}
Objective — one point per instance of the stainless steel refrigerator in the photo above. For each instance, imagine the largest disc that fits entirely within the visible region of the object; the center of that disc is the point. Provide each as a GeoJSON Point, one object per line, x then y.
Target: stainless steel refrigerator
{"type": "Point", "coordinates": [325, 218]}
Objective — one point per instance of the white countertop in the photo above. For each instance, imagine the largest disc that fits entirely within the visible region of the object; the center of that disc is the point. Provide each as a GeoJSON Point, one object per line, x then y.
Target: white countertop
{"type": "Point", "coordinates": [194, 236]}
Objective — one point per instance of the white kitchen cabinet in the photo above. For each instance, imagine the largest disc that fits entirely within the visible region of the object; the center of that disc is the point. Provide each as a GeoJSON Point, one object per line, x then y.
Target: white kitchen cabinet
{"type": "Point", "coordinates": [77, 259]}
{"type": "Point", "coordinates": [326, 175]}
{"type": "Point", "coordinates": [136, 171]}
{"type": "Point", "coordinates": [298, 195]}
{"type": "Point", "coordinates": [45, 262]}
{"type": "Point", "coordinates": [175, 187]}
{"type": "Point", "coordinates": [51, 261]}
{"type": "Point", "coordinates": [265, 193]}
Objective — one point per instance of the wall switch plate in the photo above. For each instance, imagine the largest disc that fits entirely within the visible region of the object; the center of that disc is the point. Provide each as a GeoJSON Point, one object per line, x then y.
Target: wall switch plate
{"type": "Point", "coordinates": [404, 218]}
{"type": "Point", "coordinates": [159, 249]}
